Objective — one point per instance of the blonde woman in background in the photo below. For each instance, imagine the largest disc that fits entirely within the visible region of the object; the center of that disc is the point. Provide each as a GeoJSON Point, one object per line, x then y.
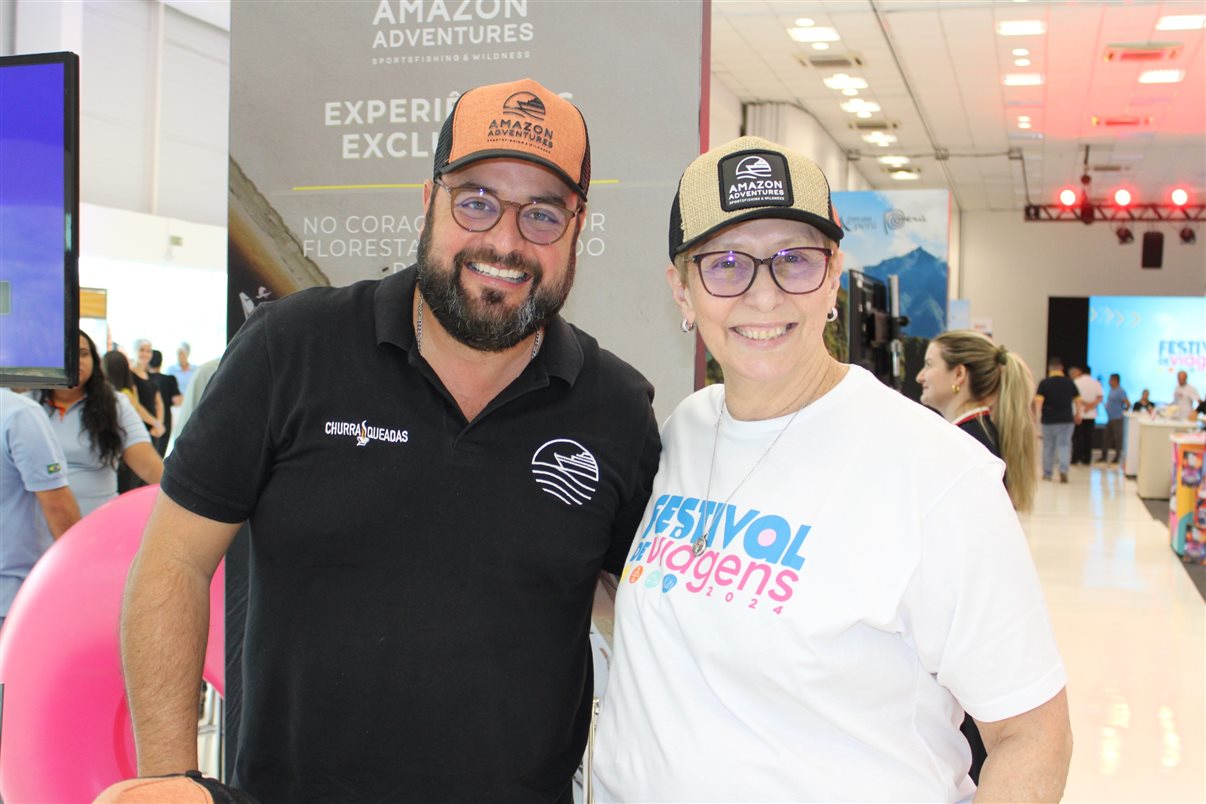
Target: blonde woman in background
{"type": "Point", "coordinates": [985, 390]}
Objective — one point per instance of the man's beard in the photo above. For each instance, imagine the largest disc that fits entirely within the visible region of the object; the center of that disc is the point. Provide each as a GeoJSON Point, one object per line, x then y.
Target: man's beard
{"type": "Point", "coordinates": [486, 323]}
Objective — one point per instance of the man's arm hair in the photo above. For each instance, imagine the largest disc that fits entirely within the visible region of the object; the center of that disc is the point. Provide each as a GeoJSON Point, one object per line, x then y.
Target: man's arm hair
{"type": "Point", "coordinates": [60, 509]}
{"type": "Point", "coordinates": [164, 629]}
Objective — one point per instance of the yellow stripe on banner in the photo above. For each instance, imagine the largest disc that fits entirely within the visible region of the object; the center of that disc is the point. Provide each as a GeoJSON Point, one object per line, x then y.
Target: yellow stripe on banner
{"type": "Point", "coordinates": [306, 187]}
{"type": "Point", "coordinates": [604, 181]}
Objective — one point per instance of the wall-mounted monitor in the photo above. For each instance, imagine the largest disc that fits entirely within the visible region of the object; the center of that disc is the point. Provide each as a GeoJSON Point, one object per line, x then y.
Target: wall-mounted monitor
{"type": "Point", "coordinates": [39, 220]}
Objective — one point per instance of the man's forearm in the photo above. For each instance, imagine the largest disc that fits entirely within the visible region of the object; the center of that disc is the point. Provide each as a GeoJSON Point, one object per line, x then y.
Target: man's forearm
{"type": "Point", "coordinates": [1025, 768]}
{"type": "Point", "coordinates": [164, 627]}
{"type": "Point", "coordinates": [60, 509]}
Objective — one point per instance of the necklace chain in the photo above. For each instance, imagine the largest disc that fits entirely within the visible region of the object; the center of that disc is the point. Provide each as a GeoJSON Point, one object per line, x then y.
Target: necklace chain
{"type": "Point", "coordinates": [701, 544]}
{"type": "Point", "coordinates": [419, 334]}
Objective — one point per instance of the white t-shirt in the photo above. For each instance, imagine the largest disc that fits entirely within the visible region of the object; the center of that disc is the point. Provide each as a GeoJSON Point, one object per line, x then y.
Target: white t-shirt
{"type": "Point", "coordinates": [868, 573]}
{"type": "Point", "coordinates": [1090, 390]}
{"type": "Point", "coordinates": [1186, 398]}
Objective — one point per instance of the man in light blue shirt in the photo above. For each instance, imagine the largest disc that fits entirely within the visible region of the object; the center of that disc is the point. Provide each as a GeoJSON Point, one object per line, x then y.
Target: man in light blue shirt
{"type": "Point", "coordinates": [36, 505]}
{"type": "Point", "coordinates": [1116, 404]}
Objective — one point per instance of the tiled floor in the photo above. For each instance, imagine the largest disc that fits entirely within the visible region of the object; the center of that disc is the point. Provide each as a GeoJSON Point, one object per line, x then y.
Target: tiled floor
{"type": "Point", "coordinates": [1132, 628]}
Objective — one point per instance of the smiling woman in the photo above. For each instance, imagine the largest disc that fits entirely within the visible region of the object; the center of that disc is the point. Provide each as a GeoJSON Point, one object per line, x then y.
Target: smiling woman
{"type": "Point", "coordinates": [760, 653]}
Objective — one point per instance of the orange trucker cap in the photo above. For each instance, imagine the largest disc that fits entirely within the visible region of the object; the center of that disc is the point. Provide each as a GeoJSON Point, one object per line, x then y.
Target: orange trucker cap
{"type": "Point", "coordinates": [517, 120]}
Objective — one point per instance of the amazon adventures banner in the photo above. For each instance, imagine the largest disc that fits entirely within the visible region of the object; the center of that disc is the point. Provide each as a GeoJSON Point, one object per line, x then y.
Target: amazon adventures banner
{"type": "Point", "coordinates": [336, 108]}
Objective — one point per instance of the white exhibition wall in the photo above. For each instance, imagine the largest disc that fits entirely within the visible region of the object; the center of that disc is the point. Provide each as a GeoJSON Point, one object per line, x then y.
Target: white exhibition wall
{"type": "Point", "coordinates": [1010, 267]}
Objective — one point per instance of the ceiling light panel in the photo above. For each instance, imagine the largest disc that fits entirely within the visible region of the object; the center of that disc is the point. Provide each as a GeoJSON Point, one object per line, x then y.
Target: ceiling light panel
{"type": "Point", "coordinates": [1161, 76]}
{"type": "Point", "coordinates": [1023, 79]}
{"type": "Point", "coordinates": [1181, 22]}
{"type": "Point", "coordinates": [1021, 28]}
{"type": "Point", "coordinates": [859, 105]}
{"type": "Point", "coordinates": [843, 81]}
{"type": "Point", "coordinates": [814, 34]}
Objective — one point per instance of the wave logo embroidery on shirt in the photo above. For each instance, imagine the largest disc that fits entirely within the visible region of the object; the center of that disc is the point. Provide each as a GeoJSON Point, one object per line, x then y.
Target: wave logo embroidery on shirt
{"type": "Point", "coordinates": [567, 470]}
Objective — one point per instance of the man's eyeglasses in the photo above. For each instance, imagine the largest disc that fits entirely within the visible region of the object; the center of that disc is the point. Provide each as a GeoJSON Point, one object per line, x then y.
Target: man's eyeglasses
{"type": "Point", "coordinates": [795, 270]}
{"type": "Point", "coordinates": [478, 210]}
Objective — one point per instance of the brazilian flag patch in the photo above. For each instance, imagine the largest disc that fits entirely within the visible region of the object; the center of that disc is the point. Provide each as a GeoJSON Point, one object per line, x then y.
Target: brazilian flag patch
{"type": "Point", "coordinates": [53, 468]}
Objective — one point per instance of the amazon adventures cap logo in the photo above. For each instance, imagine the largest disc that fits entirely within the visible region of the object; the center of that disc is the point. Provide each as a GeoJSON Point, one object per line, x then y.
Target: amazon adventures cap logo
{"type": "Point", "coordinates": [751, 179]}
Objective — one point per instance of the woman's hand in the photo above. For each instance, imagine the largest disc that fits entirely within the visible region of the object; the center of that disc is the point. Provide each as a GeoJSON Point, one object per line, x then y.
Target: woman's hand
{"type": "Point", "coordinates": [157, 429]}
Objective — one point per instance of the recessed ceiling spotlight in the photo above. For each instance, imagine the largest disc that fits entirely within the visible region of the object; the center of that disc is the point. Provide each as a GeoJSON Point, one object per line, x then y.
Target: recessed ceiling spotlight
{"type": "Point", "coordinates": [1021, 28]}
{"type": "Point", "coordinates": [1023, 118]}
{"type": "Point", "coordinates": [849, 92]}
{"type": "Point", "coordinates": [859, 105]}
{"type": "Point", "coordinates": [1161, 76]}
{"type": "Point", "coordinates": [879, 138]}
{"type": "Point", "coordinates": [805, 22]}
{"type": "Point", "coordinates": [843, 81]}
{"type": "Point", "coordinates": [1023, 124]}
{"type": "Point", "coordinates": [1020, 51]}
{"type": "Point", "coordinates": [894, 161]}
{"type": "Point", "coordinates": [905, 175]}
{"type": "Point", "coordinates": [1023, 79]}
{"type": "Point", "coordinates": [820, 45]}
{"type": "Point", "coordinates": [1021, 62]}
{"type": "Point", "coordinates": [813, 34]}
{"type": "Point", "coordinates": [1182, 22]}
{"type": "Point", "coordinates": [863, 115]}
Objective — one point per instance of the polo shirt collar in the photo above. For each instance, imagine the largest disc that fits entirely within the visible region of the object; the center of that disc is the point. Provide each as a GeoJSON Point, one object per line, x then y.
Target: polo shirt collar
{"type": "Point", "coordinates": [560, 355]}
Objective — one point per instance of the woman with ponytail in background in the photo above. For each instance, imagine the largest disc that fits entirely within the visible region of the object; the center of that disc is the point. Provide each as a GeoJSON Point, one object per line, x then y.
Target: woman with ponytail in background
{"type": "Point", "coordinates": [985, 391]}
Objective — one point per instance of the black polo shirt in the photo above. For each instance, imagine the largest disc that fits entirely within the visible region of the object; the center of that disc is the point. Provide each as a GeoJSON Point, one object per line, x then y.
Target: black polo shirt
{"type": "Point", "coordinates": [1058, 393]}
{"type": "Point", "coordinates": [420, 586]}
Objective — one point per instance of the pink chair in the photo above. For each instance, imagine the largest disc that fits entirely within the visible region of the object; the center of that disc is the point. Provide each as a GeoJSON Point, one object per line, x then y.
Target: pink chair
{"type": "Point", "coordinates": [66, 733]}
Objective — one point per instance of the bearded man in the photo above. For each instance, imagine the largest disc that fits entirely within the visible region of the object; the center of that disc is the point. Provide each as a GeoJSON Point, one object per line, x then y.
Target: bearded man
{"type": "Point", "coordinates": [435, 467]}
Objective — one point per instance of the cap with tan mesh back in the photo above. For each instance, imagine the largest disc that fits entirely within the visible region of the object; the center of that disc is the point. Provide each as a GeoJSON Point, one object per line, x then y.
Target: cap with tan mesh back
{"type": "Point", "coordinates": [747, 179]}
{"type": "Point", "coordinates": [517, 120]}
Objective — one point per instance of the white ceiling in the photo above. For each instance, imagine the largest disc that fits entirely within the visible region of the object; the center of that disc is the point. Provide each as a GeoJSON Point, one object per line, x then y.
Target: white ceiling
{"type": "Point", "coordinates": [935, 67]}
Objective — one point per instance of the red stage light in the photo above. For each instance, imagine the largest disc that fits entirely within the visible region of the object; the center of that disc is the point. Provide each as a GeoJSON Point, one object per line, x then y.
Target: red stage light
{"type": "Point", "coordinates": [1122, 197]}
{"type": "Point", "coordinates": [1180, 197]}
{"type": "Point", "coordinates": [1067, 197]}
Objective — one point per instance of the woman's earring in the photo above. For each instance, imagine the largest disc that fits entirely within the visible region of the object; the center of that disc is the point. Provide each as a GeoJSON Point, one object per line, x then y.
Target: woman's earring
{"type": "Point", "coordinates": [955, 388]}
{"type": "Point", "coordinates": [832, 315]}
{"type": "Point", "coordinates": [688, 326]}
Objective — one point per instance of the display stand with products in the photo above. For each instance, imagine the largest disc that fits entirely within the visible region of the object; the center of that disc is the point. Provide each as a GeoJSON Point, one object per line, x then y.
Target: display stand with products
{"type": "Point", "coordinates": [1187, 498]}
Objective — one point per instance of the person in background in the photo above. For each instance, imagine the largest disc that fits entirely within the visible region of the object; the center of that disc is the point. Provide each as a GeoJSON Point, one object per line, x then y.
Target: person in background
{"type": "Point", "coordinates": [1144, 403]}
{"type": "Point", "coordinates": [985, 390]}
{"type": "Point", "coordinates": [196, 388]}
{"type": "Point", "coordinates": [1091, 394]}
{"type": "Point", "coordinates": [117, 371]}
{"type": "Point", "coordinates": [1057, 401]}
{"type": "Point", "coordinates": [182, 370]}
{"type": "Point", "coordinates": [36, 503]}
{"type": "Point", "coordinates": [1115, 405]}
{"type": "Point", "coordinates": [169, 391]}
{"type": "Point", "coordinates": [140, 372]}
{"type": "Point", "coordinates": [99, 430]}
{"type": "Point", "coordinates": [789, 625]}
{"type": "Point", "coordinates": [1185, 396]}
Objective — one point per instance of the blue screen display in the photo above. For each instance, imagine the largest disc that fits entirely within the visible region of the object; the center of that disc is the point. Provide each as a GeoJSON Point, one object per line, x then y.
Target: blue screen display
{"type": "Point", "coordinates": [34, 225]}
{"type": "Point", "coordinates": [1147, 340]}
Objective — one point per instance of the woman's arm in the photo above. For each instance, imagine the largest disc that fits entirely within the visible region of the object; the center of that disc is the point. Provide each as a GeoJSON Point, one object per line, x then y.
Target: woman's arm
{"type": "Point", "coordinates": [1028, 754]}
{"type": "Point", "coordinates": [145, 461]}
